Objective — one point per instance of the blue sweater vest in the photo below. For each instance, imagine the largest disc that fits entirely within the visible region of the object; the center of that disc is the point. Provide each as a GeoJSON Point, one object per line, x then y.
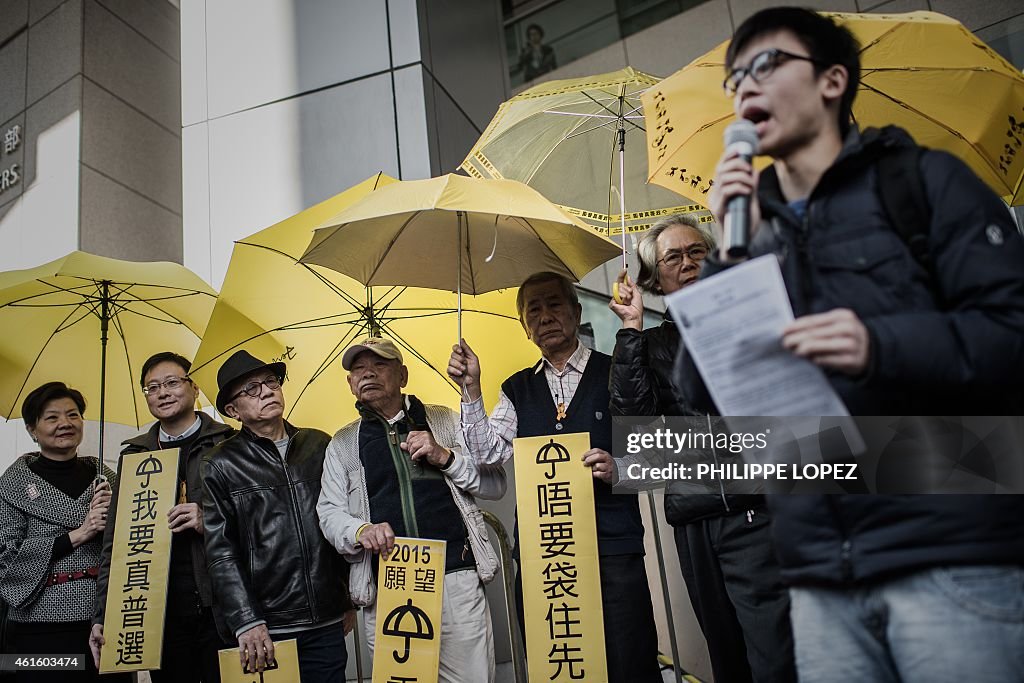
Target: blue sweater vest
{"type": "Point", "coordinates": [620, 530]}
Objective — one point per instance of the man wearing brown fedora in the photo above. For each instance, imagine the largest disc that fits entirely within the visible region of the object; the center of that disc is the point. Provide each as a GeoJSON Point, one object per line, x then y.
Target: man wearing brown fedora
{"type": "Point", "coordinates": [273, 573]}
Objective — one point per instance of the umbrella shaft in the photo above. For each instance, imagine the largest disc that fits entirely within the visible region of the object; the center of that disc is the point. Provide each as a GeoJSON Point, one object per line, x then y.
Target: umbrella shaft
{"type": "Point", "coordinates": [104, 325]}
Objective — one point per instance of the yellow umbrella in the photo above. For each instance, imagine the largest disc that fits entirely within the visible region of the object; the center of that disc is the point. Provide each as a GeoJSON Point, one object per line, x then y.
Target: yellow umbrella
{"type": "Point", "coordinates": [59, 316]}
{"type": "Point", "coordinates": [922, 71]}
{"type": "Point", "coordinates": [306, 316]}
{"type": "Point", "coordinates": [426, 233]}
{"type": "Point", "coordinates": [568, 139]}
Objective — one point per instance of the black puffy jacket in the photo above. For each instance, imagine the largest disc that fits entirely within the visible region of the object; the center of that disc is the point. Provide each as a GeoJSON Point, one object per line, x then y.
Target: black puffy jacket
{"type": "Point", "coordinates": [268, 559]}
{"type": "Point", "coordinates": [947, 343]}
{"type": "Point", "coordinates": [641, 384]}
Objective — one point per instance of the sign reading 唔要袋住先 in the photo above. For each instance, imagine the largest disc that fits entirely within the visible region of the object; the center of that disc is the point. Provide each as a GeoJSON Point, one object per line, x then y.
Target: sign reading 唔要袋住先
{"type": "Point", "coordinates": [558, 559]}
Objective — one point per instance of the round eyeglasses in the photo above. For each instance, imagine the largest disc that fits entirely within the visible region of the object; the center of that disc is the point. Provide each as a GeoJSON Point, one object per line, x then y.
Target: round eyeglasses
{"type": "Point", "coordinates": [674, 258]}
{"type": "Point", "coordinates": [761, 66]}
{"type": "Point", "coordinates": [171, 383]}
{"type": "Point", "coordinates": [253, 389]}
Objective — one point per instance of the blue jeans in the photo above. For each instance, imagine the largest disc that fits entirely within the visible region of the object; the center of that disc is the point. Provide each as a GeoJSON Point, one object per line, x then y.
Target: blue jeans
{"type": "Point", "coordinates": [947, 624]}
{"type": "Point", "coordinates": [322, 654]}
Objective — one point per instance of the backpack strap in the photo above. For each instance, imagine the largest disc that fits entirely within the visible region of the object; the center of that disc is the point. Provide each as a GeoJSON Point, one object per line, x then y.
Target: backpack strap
{"type": "Point", "coordinates": [901, 189]}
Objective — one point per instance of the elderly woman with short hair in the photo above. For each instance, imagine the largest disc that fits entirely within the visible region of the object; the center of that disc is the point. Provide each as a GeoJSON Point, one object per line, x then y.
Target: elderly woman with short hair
{"type": "Point", "coordinates": [52, 515]}
{"type": "Point", "coordinates": [723, 540]}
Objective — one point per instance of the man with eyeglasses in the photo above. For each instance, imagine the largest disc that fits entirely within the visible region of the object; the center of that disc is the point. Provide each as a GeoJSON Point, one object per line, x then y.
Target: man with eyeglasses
{"type": "Point", "coordinates": [723, 539]}
{"type": "Point", "coordinates": [189, 653]}
{"type": "Point", "coordinates": [274, 574]}
{"type": "Point", "coordinates": [883, 588]}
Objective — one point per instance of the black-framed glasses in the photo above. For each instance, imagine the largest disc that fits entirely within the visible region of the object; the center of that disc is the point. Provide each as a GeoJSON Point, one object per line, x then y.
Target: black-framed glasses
{"type": "Point", "coordinates": [253, 389]}
{"type": "Point", "coordinates": [761, 66]}
{"type": "Point", "coordinates": [171, 383]}
{"type": "Point", "coordinates": [674, 258]}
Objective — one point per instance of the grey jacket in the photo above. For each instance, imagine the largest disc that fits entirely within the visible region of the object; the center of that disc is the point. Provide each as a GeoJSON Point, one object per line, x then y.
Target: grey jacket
{"type": "Point", "coordinates": [344, 502]}
{"type": "Point", "coordinates": [33, 515]}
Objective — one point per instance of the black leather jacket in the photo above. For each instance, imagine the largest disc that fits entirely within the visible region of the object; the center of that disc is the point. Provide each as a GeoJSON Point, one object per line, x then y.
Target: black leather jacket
{"type": "Point", "coordinates": [268, 559]}
{"type": "Point", "coordinates": [211, 433]}
{"type": "Point", "coordinates": [641, 384]}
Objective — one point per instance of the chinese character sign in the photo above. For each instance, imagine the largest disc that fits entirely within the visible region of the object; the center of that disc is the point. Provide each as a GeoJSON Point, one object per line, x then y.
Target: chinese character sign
{"type": "Point", "coordinates": [285, 668]}
{"type": "Point", "coordinates": [410, 586]}
{"type": "Point", "coordinates": [137, 589]}
{"type": "Point", "coordinates": [558, 556]}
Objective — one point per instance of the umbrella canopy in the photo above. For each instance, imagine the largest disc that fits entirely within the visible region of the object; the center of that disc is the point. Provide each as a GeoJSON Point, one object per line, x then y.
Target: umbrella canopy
{"type": "Point", "coordinates": [305, 316]}
{"type": "Point", "coordinates": [921, 71]}
{"type": "Point", "coordinates": [60, 316]}
{"type": "Point", "coordinates": [562, 138]}
{"type": "Point", "coordinates": [457, 234]}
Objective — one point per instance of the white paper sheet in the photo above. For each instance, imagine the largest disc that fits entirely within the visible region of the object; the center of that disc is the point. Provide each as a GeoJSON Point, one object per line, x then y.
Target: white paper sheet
{"type": "Point", "coordinates": [732, 327]}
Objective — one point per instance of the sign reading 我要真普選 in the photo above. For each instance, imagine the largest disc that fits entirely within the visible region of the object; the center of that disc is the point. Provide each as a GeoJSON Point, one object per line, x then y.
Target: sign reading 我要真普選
{"type": "Point", "coordinates": [133, 624]}
{"type": "Point", "coordinates": [558, 559]}
{"type": "Point", "coordinates": [410, 589]}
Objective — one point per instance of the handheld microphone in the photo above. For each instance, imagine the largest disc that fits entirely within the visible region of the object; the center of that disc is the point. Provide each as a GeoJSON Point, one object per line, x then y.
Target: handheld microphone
{"type": "Point", "coordinates": [742, 137]}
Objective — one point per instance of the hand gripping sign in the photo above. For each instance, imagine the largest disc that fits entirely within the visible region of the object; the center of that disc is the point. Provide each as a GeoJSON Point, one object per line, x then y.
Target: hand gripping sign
{"type": "Point", "coordinates": [284, 668]}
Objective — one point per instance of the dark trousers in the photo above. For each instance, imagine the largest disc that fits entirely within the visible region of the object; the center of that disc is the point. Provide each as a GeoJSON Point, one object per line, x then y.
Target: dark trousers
{"type": "Point", "coordinates": [190, 650]}
{"type": "Point", "coordinates": [630, 635]}
{"type": "Point", "coordinates": [57, 638]}
{"type": "Point", "coordinates": [742, 606]}
{"type": "Point", "coordinates": [322, 653]}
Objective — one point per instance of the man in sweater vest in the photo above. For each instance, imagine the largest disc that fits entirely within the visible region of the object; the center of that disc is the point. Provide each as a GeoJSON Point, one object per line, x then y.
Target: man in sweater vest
{"type": "Point", "coordinates": [567, 392]}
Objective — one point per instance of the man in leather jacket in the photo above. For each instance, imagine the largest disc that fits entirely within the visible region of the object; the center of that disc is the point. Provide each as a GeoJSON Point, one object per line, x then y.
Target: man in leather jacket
{"type": "Point", "coordinates": [190, 631]}
{"type": "Point", "coordinates": [274, 574]}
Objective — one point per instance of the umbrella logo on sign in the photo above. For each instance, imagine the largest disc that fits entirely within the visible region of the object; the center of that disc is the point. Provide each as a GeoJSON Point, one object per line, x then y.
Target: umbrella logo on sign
{"type": "Point", "coordinates": [270, 666]}
{"type": "Point", "coordinates": [546, 457]}
{"type": "Point", "coordinates": [148, 468]}
{"type": "Point", "coordinates": [423, 629]}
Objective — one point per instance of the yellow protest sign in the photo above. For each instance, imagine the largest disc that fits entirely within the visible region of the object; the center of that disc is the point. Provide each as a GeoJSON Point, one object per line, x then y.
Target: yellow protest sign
{"type": "Point", "coordinates": [558, 559]}
{"type": "Point", "coordinates": [137, 589]}
{"type": "Point", "coordinates": [410, 588]}
{"type": "Point", "coordinates": [285, 668]}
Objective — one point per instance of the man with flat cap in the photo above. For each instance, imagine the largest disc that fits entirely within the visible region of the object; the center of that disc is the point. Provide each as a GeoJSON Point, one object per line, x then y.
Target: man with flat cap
{"type": "Point", "coordinates": [274, 574]}
{"type": "Point", "coordinates": [401, 470]}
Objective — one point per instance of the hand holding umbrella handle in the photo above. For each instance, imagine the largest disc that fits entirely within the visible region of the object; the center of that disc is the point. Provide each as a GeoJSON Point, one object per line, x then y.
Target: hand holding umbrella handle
{"type": "Point", "coordinates": [627, 303]}
{"type": "Point", "coordinates": [464, 370]}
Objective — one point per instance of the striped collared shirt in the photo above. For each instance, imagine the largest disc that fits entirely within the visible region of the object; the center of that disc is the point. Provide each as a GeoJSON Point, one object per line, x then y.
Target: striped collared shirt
{"type": "Point", "coordinates": [489, 440]}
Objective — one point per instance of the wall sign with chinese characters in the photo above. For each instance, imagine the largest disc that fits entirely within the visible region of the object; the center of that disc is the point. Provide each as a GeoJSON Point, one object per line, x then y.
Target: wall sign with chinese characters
{"type": "Point", "coordinates": [410, 587]}
{"type": "Point", "coordinates": [137, 590]}
{"type": "Point", "coordinates": [11, 174]}
{"type": "Point", "coordinates": [558, 556]}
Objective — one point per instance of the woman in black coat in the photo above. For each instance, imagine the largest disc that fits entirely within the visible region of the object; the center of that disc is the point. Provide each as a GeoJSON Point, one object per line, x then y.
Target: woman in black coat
{"type": "Point", "coordinates": [723, 540]}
